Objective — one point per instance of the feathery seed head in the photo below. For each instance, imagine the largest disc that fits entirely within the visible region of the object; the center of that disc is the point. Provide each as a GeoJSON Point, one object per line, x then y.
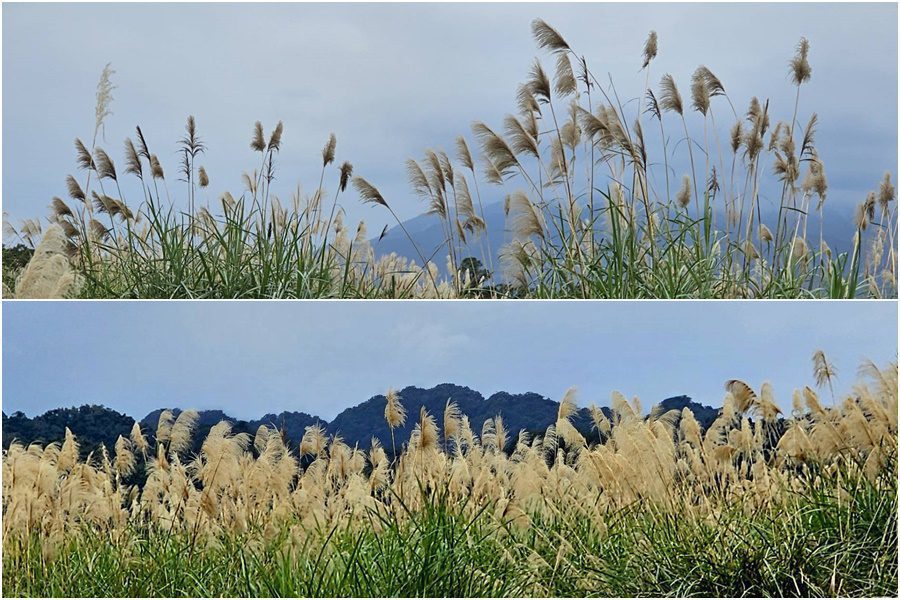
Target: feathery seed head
{"type": "Point", "coordinates": [105, 167]}
{"type": "Point", "coordinates": [462, 153]}
{"type": "Point", "coordinates": [669, 97]}
{"type": "Point", "coordinates": [328, 151]}
{"type": "Point", "coordinates": [83, 156]}
{"type": "Point", "coordinates": [75, 191]}
{"type": "Point", "coordinates": [649, 49]}
{"type": "Point", "coordinates": [394, 412]}
{"type": "Point", "coordinates": [156, 168]}
{"type": "Point", "coordinates": [699, 92]}
{"type": "Point", "coordinates": [737, 134]}
{"type": "Point", "coordinates": [823, 371]}
{"type": "Point", "coordinates": [132, 160]}
{"type": "Point", "coordinates": [346, 173]}
{"type": "Point", "coordinates": [800, 70]}
{"type": "Point", "coordinates": [565, 84]}
{"type": "Point", "coordinates": [547, 37]}
{"type": "Point", "coordinates": [683, 197]}
{"type": "Point", "coordinates": [368, 192]}
{"type": "Point", "coordinates": [274, 144]}
{"type": "Point", "coordinates": [886, 192]}
{"type": "Point", "coordinates": [258, 141]}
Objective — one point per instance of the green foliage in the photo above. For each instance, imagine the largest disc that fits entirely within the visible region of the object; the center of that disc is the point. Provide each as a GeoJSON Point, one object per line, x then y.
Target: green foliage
{"type": "Point", "coordinates": [14, 260]}
{"type": "Point", "coordinates": [95, 425]}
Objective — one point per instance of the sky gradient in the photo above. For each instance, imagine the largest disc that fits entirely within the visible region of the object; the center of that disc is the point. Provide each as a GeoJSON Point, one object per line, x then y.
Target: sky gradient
{"type": "Point", "coordinates": [393, 80]}
{"type": "Point", "coordinates": [252, 358]}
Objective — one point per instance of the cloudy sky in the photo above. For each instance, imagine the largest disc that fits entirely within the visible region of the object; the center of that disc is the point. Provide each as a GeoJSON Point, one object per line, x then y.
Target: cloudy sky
{"type": "Point", "coordinates": [393, 80]}
{"type": "Point", "coordinates": [250, 358]}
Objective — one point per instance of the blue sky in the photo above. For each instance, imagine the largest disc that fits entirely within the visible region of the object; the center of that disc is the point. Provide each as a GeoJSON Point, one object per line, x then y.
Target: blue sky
{"type": "Point", "coordinates": [250, 358]}
{"type": "Point", "coordinates": [393, 80]}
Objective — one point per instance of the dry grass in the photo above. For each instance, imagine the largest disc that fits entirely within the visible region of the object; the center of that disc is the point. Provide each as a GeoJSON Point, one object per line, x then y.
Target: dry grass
{"type": "Point", "coordinates": [555, 492]}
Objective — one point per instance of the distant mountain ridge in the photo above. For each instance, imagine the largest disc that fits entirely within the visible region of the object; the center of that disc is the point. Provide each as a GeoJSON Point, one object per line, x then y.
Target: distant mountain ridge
{"type": "Point", "coordinates": [532, 412]}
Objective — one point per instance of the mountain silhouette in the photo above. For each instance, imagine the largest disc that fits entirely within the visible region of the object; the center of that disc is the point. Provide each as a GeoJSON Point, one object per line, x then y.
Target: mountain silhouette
{"type": "Point", "coordinates": [358, 425]}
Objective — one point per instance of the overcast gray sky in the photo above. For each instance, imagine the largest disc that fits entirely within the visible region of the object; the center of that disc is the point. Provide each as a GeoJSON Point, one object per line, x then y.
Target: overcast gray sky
{"type": "Point", "coordinates": [393, 80]}
{"type": "Point", "coordinates": [251, 358]}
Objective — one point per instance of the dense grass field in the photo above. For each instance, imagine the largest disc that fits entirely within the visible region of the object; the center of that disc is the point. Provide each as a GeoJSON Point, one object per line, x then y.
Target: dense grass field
{"type": "Point", "coordinates": [757, 505]}
{"type": "Point", "coordinates": [658, 195]}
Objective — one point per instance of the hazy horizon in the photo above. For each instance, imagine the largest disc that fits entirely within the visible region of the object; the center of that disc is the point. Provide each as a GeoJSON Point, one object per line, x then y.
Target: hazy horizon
{"type": "Point", "coordinates": [252, 358]}
{"type": "Point", "coordinates": [390, 91]}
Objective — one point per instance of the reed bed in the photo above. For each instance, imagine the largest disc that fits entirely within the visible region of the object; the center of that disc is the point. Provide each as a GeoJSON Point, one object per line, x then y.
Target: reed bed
{"type": "Point", "coordinates": [755, 505]}
{"type": "Point", "coordinates": [600, 201]}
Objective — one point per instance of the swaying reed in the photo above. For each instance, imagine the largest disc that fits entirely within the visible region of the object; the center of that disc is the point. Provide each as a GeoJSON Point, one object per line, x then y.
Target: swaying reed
{"type": "Point", "coordinates": [544, 505]}
{"type": "Point", "coordinates": [594, 207]}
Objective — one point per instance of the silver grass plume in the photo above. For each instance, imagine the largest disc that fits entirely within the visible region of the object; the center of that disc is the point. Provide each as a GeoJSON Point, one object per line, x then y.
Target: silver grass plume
{"type": "Point", "coordinates": [182, 429]}
{"type": "Point", "coordinates": [368, 192]}
{"type": "Point", "coordinates": [138, 439]}
{"type": "Point", "coordinates": [452, 416]}
{"type": "Point", "coordinates": [258, 141]}
{"type": "Point", "coordinates": [435, 171]}
{"type": "Point", "coordinates": [539, 83]}
{"type": "Point", "coordinates": [565, 83]}
{"type": "Point", "coordinates": [500, 433]}
{"type": "Point", "coordinates": [274, 144]}
{"type": "Point", "coordinates": [124, 460]}
{"type": "Point", "coordinates": [699, 93]}
{"type": "Point", "coordinates": [314, 441]}
{"type": "Point", "coordinates": [328, 151]}
{"type": "Point", "coordinates": [83, 156]}
{"type": "Point", "coordinates": [599, 421]}
{"type": "Point", "coordinates": [446, 167]}
{"type": "Point", "coordinates": [495, 148]}
{"type": "Point", "coordinates": [104, 97]}
{"type": "Point", "coordinates": [417, 179]}
{"type": "Point", "coordinates": [886, 192]}
{"type": "Point", "coordinates": [683, 197]}
{"type": "Point", "coordinates": [527, 220]}
{"type": "Point", "coordinates": [60, 209]}
{"type": "Point", "coordinates": [743, 394]}
{"type": "Point", "coordinates": [713, 85]}
{"type": "Point", "coordinates": [520, 139]}
{"type": "Point", "coordinates": [48, 274]}
{"type": "Point", "coordinates": [737, 134]}
{"type": "Point", "coordinates": [394, 412]}
{"type": "Point", "coordinates": [669, 97]}
{"type": "Point", "coordinates": [649, 49]}
{"type": "Point", "coordinates": [346, 172]}
{"type": "Point", "coordinates": [142, 148]}
{"type": "Point", "coordinates": [425, 433]}
{"type": "Point", "coordinates": [463, 155]}
{"type": "Point", "coordinates": [525, 100]}
{"type": "Point", "coordinates": [105, 167]}
{"type": "Point", "coordinates": [823, 371]}
{"type": "Point", "coordinates": [653, 105]}
{"type": "Point", "coordinates": [567, 406]}
{"type": "Point", "coordinates": [133, 164]}
{"type": "Point", "coordinates": [800, 70]}
{"type": "Point", "coordinates": [164, 426]}
{"type": "Point", "coordinates": [156, 168]}
{"type": "Point", "coordinates": [69, 228]}
{"type": "Point", "coordinates": [75, 191]}
{"type": "Point", "coordinates": [547, 37]}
